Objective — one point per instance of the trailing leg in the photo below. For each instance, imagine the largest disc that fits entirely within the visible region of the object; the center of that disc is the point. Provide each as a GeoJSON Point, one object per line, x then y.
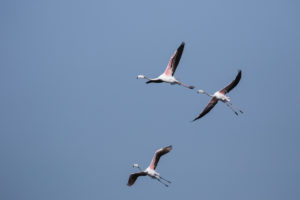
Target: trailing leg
{"type": "Point", "coordinates": [236, 107]}
{"type": "Point", "coordinates": [231, 108]}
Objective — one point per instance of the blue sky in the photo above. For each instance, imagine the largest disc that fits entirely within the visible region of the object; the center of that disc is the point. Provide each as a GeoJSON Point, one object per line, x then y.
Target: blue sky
{"type": "Point", "coordinates": [74, 118]}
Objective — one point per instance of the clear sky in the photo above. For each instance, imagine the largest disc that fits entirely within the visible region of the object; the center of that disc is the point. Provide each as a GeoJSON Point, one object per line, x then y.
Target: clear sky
{"type": "Point", "coordinates": [74, 118]}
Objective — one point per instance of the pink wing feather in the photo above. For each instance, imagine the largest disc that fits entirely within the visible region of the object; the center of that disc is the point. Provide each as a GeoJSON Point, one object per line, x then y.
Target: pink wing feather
{"type": "Point", "coordinates": [158, 154]}
{"type": "Point", "coordinates": [174, 61]}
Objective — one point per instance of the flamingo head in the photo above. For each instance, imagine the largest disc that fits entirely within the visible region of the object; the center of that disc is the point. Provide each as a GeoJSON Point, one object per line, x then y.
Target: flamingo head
{"type": "Point", "coordinates": [140, 76]}
{"type": "Point", "coordinates": [200, 91]}
{"type": "Point", "coordinates": [136, 165]}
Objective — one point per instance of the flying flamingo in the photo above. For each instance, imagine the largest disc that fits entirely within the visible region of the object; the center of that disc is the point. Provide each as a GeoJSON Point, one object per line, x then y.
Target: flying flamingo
{"type": "Point", "coordinates": [168, 75]}
{"type": "Point", "coordinates": [221, 95]}
{"type": "Point", "coordinates": [150, 171]}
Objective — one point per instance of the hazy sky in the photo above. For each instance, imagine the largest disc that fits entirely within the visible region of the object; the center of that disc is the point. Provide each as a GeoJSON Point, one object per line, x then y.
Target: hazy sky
{"type": "Point", "coordinates": [74, 118]}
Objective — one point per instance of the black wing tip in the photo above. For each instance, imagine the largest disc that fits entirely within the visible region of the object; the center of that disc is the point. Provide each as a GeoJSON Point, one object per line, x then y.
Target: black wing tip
{"type": "Point", "coordinates": [181, 46]}
{"type": "Point", "coordinates": [168, 148]}
{"type": "Point", "coordinates": [195, 119]}
{"type": "Point", "coordinates": [239, 72]}
{"type": "Point", "coordinates": [129, 183]}
{"type": "Point", "coordinates": [239, 75]}
{"type": "Point", "coordinates": [199, 117]}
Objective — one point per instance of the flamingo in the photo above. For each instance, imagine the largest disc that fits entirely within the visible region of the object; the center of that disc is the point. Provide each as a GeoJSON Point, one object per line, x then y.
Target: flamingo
{"type": "Point", "coordinates": [168, 75]}
{"type": "Point", "coordinates": [150, 171]}
{"type": "Point", "coordinates": [221, 95]}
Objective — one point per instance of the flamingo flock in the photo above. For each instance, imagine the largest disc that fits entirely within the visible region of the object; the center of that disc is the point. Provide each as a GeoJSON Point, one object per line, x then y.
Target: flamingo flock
{"type": "Point", "coordinates": [168, 77]}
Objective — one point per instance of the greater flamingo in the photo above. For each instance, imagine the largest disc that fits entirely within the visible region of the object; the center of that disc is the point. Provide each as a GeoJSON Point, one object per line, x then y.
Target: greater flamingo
{"type": "Point", "coordinates": [150, 171]}
{"type": "Point", "coordinates": [168, 75]}
{"type": "Point", "coordinates": [221, 95]}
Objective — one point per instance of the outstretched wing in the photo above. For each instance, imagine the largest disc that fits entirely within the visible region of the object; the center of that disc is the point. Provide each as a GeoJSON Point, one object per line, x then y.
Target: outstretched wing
{"type": "Point", "coordinates": [133, 177]}
{"type": "Point", "coordinates": [232, 84]}
{"type": "Point", "coordinates": [158, 154]}
{"type": "Point", "coordinates": [209, 106]}
{"type": "Point", "coordinates": [174, 61]}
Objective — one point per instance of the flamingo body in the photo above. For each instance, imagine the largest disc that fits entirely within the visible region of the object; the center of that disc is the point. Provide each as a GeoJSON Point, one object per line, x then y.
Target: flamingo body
{"type": "Point", "coordinates": [152, 173]}
{"type": "Point", "coordinates": [222, 97]}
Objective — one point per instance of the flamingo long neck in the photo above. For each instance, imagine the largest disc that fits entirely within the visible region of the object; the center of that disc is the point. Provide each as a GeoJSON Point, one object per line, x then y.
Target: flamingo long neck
{"type": "Point", "coordinates": [139, 168]}
{"type": "Point", "coordinates": [145, 77]}
{"type": "Point", "coordinates": [207, 94]}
